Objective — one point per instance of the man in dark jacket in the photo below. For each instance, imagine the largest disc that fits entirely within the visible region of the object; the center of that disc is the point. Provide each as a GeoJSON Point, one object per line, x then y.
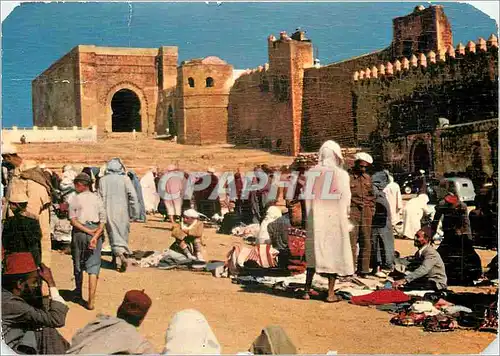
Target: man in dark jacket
{"type": "Point", "coordinates": [382, 237]}
{"type": "Point", "coordinates": [463, 264]}
{"type": "Point", "coordinates": [362, 210]}
{"type": "Point", "coordinates": [21, 232]}
{"type": "Point", "coordinates": [26, 326]}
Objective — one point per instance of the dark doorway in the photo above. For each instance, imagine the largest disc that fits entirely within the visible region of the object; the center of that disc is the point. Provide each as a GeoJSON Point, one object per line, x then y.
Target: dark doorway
{"type": "Point", "coordinates": [421, 157]}
{"type": "Point", "coordinates": [126, 111]}
{"type": "Point", "coordinates": [477, 157]}
{"type": "Point", "coordinates": [171, 123]}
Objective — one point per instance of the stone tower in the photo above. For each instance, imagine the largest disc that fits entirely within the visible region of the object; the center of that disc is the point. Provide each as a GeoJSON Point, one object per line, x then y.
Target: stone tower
{"type": "Point", "coordinates": [203, 87]}
{"type": "Point", "coordinates": [288, 57]}
{"type": "Point", "coordinates": [424, 30]}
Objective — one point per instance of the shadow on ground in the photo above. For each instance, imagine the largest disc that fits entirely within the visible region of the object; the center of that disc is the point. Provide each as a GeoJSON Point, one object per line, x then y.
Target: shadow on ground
{"type": "Point", "coordinates": [279, 292]}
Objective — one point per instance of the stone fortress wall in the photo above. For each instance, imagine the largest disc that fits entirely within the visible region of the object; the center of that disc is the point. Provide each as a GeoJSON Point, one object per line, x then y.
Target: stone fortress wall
{"type": "Point", "coordinates": [291, 104]}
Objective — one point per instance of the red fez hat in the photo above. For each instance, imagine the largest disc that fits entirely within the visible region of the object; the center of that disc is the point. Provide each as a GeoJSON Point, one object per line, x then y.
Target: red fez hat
{"type": "Point", "coordinates": [451, 199]}
{"type": "Point", "coordinates": [135, 303]}
{"type": "Point", "coordinates": [20, 263]}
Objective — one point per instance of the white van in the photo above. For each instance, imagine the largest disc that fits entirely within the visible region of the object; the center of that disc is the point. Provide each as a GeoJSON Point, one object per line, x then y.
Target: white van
{"type": "Point", "coordinates": [465, 188]}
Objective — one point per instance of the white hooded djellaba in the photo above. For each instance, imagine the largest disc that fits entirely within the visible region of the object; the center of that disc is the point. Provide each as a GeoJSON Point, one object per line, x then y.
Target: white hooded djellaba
{"type": "Point", "coordinates": [412, 215]}
{"type": "Point", "coordinates": [118, 194]}
{"type": "Point", "coordinates": [328, 247]}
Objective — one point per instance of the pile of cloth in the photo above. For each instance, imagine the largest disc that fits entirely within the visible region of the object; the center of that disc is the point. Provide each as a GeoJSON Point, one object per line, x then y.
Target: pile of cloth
{"type": "Point", "coordinates": [166, 259]}
{"type": "Point", "coordinates": [447, 311]}
{"type": "Point", "coordinates": [434, 311]}
{"type": "Point", "coordinates": [246, 232]}
{"type": "Point", "coordinates": [347, 287]}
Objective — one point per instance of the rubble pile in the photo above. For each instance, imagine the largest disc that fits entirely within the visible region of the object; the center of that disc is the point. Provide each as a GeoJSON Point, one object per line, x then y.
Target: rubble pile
{"type": "Point", "coordinates": [305, 160]}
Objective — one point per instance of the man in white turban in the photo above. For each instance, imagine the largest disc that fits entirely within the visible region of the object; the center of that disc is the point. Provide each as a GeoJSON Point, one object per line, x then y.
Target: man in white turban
{"type": "Point", "coordinates": [362, 211]}
{"type": "Point", "coordinates": [189, 235]}
{"type": "Point", "coordinates": [328, 248]}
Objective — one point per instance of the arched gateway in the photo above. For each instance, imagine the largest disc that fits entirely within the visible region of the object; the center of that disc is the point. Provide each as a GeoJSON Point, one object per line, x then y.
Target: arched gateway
{"type": "Point", "coordinates": [126, 108]}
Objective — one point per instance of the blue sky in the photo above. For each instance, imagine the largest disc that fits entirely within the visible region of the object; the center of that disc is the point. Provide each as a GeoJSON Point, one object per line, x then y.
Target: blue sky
{"type": "Point", "coordinates": [32, 39]}
{"type": "Point", "coordinates": [490, 8]}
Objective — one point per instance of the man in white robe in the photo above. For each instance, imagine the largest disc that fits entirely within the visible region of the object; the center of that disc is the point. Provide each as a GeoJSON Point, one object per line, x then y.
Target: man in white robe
{"type": "Point", "coordinates": [151, 197]}
{"type": "Point", "coordinates": [393, 194]}
{"type": "Point", "coordinates": [328, 246]}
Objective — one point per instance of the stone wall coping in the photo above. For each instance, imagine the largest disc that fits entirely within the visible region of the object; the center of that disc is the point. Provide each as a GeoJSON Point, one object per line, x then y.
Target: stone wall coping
{"type": "Point", "coordinates": [55, 128]}
{"type": "Point", "coordinates": [468, 123]}
{"type": "Point", "coordinates": [124, 51]}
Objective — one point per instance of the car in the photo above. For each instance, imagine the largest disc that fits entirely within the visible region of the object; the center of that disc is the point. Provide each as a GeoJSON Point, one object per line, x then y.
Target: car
{"type": "Point", "coordinates": [410, 183]}
{"type": "Point", "coordinates": [463, 186]}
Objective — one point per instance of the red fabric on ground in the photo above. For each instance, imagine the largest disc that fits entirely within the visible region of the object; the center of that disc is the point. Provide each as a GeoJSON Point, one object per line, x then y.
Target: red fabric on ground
{"type": "Point", "coordinates": [384, 296]}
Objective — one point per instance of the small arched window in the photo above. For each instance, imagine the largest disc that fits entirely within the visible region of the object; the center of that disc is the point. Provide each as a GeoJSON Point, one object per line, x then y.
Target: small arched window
{"type": "Point", "coordinates": [191, 82]}
{"type": "Point", "coordinates": [210, 82]}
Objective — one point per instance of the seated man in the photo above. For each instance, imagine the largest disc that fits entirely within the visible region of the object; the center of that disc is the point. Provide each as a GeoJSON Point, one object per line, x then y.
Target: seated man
{"type": "Point", "coordinates": [430, 273]}
{"type": "Point", "coordinates": [189, 233]}
{"type": "Point", "coordinates": [288, 229]}
{"type": "Point", "coordinates": [278, 234]}
{"type": "Point", "coordinates": [109, 335]}
{"type": "Point", "coordinates": [27, 327]}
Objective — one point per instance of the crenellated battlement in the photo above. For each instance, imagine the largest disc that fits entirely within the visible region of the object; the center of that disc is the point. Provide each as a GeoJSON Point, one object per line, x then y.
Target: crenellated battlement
{"type": "Point", "coordinates": [423, 60]}
{"type": "Point", "coordinates": [298, 36]}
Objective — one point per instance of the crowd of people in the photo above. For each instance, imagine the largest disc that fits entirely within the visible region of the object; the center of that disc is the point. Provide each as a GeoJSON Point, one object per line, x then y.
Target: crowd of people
{"type": "Point", "coordinates": [28, 327]}
{"type": "Point", "coordinates": [341, 223]}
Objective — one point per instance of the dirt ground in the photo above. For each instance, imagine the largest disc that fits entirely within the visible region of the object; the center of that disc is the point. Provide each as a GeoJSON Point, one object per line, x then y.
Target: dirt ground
{"type": "Point", "coordinates": [141, 154]}
{"type": "Point", "coordinates": [236, 315]}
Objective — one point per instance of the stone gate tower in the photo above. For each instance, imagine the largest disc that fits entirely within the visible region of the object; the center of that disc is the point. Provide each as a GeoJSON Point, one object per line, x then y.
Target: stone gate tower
{"type": "Point", "coordinates": [288, 57]}
{"type": "Point", "coordinates": [203, 94]}
{"type": "Point", "coordinates": [115, 89]}
{"type": "Point", "coordinates": [424, 30]}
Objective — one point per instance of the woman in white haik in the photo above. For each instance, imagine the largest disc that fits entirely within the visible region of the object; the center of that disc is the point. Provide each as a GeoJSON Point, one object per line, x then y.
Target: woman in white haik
{"type": "Point", "coordinates": [148, 185]}
{"type": "Point", "coordinates": [328, 247]}
{"type": "Point", "coordinates": [189, 334]}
